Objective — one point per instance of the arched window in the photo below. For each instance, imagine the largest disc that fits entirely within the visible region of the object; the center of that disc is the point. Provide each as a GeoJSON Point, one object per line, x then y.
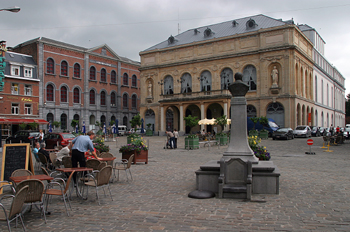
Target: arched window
{"type": "Point", "coordinates": [76, 95]}
{"type": "Point", "coordinates": [168, 85]}
{"type": "Point", "coordinates": [77, 70]}
{"type": "Point", "coordinates": [249, 76]}
{"type": "Point", "coordinates": [205, 80]}
{"type": "Point", "coordinates": [226, 78]}
{"type": "Point", "coordinates": [64, 68]}
{"type": "Point", "coordinates": [92, 73]}
{"type": "Point", "coordinates": [63, 94]}
{"type": "Point", "coordinates": [63, 121]}
{"type": "Point", "coordinates": [251, 111]}
{"type": "Point", "coordinates": [49, 92]}
{"type": "Point", "coordinates": [92, 97]}
{"type": "Point", "coordinates": [125, 79]}
{"type": "Point", "coordinates": [125, 100]}
{"type": "Point", "coordinates": [186, 83]}
{"type": "Point", "coordinates": [103, 98]}
{"type": "Point", "coordinates": [103, 120]}
{"type": "Point", "coordinates": [134, 101]}
{"type": "Point", "coordinates": [113, 77]}
{"type": "Point", "coordinates": [49, 117]}
{"type": "Point", "coordinates": [50, 66]}
{"type": "Point", "coordinates": [103, 75]}
{"type": "Point", "coordinates": [134, 81]}
{"type": "Point", "coordinates": [113, 99]}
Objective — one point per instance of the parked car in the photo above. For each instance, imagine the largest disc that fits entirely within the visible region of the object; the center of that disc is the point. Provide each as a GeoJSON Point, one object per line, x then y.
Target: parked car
{"type": "Point", "coordinates": [302, 131]}
{"type": "Point", "coordinates": [283, 133]}
{"type": "Point", "coordinates": [132, 131]}
{"type": "Point", "coordinates": [24, 136]}
{"type": "Point", "coordinates": [346, 133]}
{"type": "Point", "coordinates": [271, 127]}
{"type": "Point", "coordinates": [122, 130]}
{"type": "Point", "coordinates": [52, 139]}
{"type": "Point", "coordinates": [322, 131]}
{"type": "Point", "coordinates": [315, 131]}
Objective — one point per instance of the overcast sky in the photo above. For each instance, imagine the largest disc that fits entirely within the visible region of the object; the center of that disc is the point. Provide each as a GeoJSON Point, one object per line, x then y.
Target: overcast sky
{"type": "Point", "coordinates": [131, 26]}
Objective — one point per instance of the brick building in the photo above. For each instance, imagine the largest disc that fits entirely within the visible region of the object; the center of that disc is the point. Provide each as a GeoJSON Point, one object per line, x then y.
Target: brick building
{"type": "Point", "coordinates": [283, 63]}
{"type": "Point", "coordinates": [84, 84]}
{"type": "Point", "coordinates": [20, 96]}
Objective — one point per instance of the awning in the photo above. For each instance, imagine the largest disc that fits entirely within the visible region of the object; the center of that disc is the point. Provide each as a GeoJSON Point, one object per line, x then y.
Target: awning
{"type": "Point", "coordinates": [21, 120]}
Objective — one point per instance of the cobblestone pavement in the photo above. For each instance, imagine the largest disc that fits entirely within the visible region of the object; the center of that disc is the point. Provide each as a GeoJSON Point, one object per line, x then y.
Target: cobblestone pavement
{"type": "Point", "coordinates": [314, 195]}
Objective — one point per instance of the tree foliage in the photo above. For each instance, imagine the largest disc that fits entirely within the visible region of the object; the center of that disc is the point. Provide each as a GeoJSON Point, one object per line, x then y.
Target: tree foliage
{"type": "Point", "coordinates": [135, 121]}
{"type": "Point", "coordinates": [191, 121]}
{"type": "Point", "coordinates": [222, 121]}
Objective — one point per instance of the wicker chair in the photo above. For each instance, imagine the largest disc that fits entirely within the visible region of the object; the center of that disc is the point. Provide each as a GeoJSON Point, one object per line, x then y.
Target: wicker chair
{"type": "Point", "coordinates": [107, 155]}
{"type": "Point", "coordinates": [50, 191]}
{"type": "Point", "coordinates": [21, 172]}
{"type": "Point", "coordinates": [35, 193]}
{"type": "Point", "coordinates": [15, 211]}
{"type": "Point", "coordinates": [101, 165]}
{"type": "Point", "coordinates": [123, 165]}
{"type": "Point", "coordinates": [55, 163]}
{"type": "Point", "coordinates": [67, 162]}
{"type": "Point", "coordinates": [93, 163]}
{"type": "Point", "coordinates": [43, 160]}
{"type": "Point", "coordinates": [100, 181]}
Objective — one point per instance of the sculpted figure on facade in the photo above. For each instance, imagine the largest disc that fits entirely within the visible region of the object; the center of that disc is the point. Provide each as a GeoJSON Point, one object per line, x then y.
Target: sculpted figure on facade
{"type": "Point", "coordinates": [274, 75]}
{"type": "Point", "coordinates": [150, 89]}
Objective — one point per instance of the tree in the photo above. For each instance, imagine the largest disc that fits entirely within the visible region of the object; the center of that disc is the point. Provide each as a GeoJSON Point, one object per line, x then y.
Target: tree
{"type": "Point", "coordinates": [222, 121]}
{"type": "Point", "coordinates": [191, 121]}
{"type": "Point", "coordinates": [33, 125]}
{"type": "Point", "coordinates": [22, 126]}
{"type": "Point", "coordinates": [74, 123]}
{"type": "Point", "coordinates": [56, 124]}
{"type": "Point", "coordinates": [255, 120]}
{"type": "Point", "coordinates": [135, 121]}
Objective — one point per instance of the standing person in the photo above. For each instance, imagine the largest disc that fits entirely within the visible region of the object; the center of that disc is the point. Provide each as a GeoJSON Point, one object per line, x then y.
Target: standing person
{"type": "Point", "coordinates": [176, 135]}
{"type": "Point", "coordinates": [41, 136]}
{"type": "Point", "coordinates": [170, 137]}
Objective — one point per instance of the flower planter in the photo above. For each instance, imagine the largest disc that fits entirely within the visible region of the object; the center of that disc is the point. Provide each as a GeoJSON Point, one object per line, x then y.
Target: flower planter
{"type": "Point", "coordinates": [222, 139]}
{"type": "Point", "coordinates": [130, 139]}
{"type": "Point", "coordinates": [264, 134]}
{"type": "Point", "coordinates": [149, 132]}
{"type": "Point", "coordinates": [141, 156]}
{"type": "Point", "coordinates": [192, 143]}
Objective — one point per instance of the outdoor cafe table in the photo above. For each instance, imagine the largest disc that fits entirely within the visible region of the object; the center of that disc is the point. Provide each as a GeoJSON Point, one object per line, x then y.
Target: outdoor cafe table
{"type": "Point", "coordinates": [106, 158]}
{"type": "Point", "coordinates": [18, 179]}
{"type": "Point", "coordinates": [79, 184]}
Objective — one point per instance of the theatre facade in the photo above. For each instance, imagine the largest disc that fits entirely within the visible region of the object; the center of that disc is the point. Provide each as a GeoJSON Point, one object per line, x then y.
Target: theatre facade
{"type": "Point", "coordinates": [188, 74]}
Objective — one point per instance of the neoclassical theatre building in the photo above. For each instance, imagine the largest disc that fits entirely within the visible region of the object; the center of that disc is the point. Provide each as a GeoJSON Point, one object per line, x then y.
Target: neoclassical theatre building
{"type": "Point", "coordinates": [283, 63]}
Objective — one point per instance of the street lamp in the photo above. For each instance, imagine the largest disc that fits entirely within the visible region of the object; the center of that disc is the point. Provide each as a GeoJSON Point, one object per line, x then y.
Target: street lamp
{"type": "Point", "coordinates": [13, 9]}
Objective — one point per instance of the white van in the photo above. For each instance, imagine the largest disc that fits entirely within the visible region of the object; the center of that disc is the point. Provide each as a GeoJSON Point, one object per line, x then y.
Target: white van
{"type": "Point", "coordinates": [121, 130]}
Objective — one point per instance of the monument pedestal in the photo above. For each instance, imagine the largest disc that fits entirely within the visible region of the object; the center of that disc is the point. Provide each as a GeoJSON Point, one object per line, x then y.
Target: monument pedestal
{"type": "Point", "coordinates": [265, 177]}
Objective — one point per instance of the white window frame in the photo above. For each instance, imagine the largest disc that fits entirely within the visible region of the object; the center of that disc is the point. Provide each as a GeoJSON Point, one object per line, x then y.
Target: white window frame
{"type": "Point", "coordinates": [28, 109]}
{"type": "Point", "coordinates": [28, 90]}
{"type": "Point", "coordinates": [28, 72]}
{"type": "Point", "coordinates": [15, 89]}
{"type": "Point", "coordinates": [13, 70]}
{"type": "Point", "coordinates": [15, 108]}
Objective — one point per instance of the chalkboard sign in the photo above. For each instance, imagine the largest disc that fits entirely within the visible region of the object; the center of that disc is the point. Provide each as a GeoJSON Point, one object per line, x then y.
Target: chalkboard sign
{"type": "Point", "coordinates": [15, 156]}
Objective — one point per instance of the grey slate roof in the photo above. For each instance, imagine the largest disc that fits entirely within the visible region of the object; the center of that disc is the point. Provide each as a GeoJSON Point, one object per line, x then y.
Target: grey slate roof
{"type": "Point", "coordinates": [222, 30]}
{"type": "Point", "coordinates": [19, 58]}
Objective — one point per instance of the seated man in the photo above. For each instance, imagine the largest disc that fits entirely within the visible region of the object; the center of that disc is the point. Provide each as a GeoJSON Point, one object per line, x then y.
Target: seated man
{"type": "Point", "coordinates": [63, 153]}
{"type": "Point", "coordinates": [36, 149]}
{"type": "Point", "coordinates": [44, 152]}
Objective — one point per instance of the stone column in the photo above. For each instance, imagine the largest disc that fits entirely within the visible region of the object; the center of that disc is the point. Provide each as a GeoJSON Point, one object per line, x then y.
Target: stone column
{"type": "Point", "coordinates": [181, 129]}
{"type": "Point", "coordinates": [162, 119]}
{"type": "Point", "coordinates": [225, 113]}
{"type": "Point", "coordinates": [239, 147]}
{"type": "Point", "coordinates": [202, 115]}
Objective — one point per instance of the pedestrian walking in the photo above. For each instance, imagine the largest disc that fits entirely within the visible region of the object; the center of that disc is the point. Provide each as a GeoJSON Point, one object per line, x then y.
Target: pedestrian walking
{"type": "Point", "coordinates": [176, 135]}
{"type": "Point", "coordinates": [170, 137]}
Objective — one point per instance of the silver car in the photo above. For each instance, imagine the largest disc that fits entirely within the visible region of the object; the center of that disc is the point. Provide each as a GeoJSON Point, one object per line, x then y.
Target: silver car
{"type": "Point", "coordinates": [302, 131]}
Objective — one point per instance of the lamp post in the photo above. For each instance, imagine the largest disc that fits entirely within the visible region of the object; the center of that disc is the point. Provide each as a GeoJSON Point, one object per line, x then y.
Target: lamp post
{"type": "Point", "coordinates": [13, 9]}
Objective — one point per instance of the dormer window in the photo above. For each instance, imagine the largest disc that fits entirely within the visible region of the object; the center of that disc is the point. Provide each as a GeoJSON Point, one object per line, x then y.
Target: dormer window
{"type": "Point", "coordinates": [196, 31]}
{"type": "Point", "coordinates": [251, 24]}
{"type": "Point", "coordinates": [15, 70]}
{"type": "Point", "coordinates": [208, 32]}
{"type": "Point", "coordinates": [171, 40]}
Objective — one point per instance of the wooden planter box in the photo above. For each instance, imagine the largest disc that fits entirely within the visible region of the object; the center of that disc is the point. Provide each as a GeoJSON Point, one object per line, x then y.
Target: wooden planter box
{"type": "Point", "coordinates": [192, 143]}
{"type": "Point", "coordinates": [149, 132]}
{"type": "Point", "coordinates": [128, 139]}
{"type": "Point", "coordinates": [264, 134]}
{"type": "Point", "coordinates": [138, 156]}
{"type": "Point", "coordinates": [222, 139]}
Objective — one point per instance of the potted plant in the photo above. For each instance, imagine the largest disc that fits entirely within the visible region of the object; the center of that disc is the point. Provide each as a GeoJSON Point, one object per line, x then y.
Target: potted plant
{"type": "Point", "coordinates": [99, 144]}
{"type": "Point", "coordinates": [149, 131]}
{"type": "Point", "coordinates": [192, 140]}
{"type": "Point", "coordinates": [134, 122]}
{"type": "Point", "coordinates": [264, 134]}
{"type": "Point", "coordinates": [221, 137]}
{"type": "Point", "coordinates": [56, 124]}
{"type": "Point", "coordinates": [138, 148]}
{"type": "Point", "coordinates": [254, 132]}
